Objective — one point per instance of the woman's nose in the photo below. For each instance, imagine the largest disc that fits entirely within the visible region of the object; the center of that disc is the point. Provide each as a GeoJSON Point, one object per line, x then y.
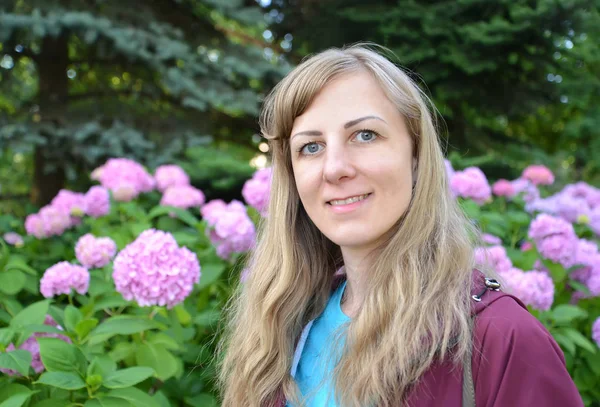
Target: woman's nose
{"type": "Point", "coordinates": [337, 164]}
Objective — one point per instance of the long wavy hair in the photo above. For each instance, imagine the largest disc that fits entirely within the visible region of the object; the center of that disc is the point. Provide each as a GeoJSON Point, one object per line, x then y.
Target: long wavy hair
{"type": "Point", "coordinates": [416, 310]}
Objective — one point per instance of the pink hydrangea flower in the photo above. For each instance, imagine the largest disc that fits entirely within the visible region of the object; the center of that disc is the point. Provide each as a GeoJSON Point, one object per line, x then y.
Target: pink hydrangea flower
{"type": "Point", "coordinates": [555, 238]}
{"type": "Point", "coordinates": [49, 221]}
{"type": "Point", "coordinates": [230, 229]}
{"type": "Point", "coordinates": [182, 196]}
{"type": "Point", "coordinates": [64, 277]}
{"type": "Point", "coordinates": [527, 188]}
{"type": "Point", "coordinates": [96, 202]}
{"type": "Point", "coordinates": [124, 177]}
{"type": "Point", "coordinates": [471, 183]}
{"type": "Point", "coordinates": [491, 239]}
{"type": "Point", "coordinates": [585, 191]}
{"type": "Point", "coordinates": [154, 270]}
{"type": "Point", "coordinates": [494, 257]}
{"type": "Point", "coordinates": [596, 331]}
{"type": "Point", "coordinates": [13, 239]}
{"type": "Point", "coordinates": [95, 252]}
{"type": "Point", "coordinates": [534, 288]}
{"type": "Point", "coordinates": [256, 190]}
{"type": "Point", "coordinates": [504, 187]}
{"type": "Point", "coordinates": [212, 209]}
{"type": "Point", "coordinates": [170, 175]}
{"type": "Point", "coordinates": [31, 345]}
{"type": "Point", "coordinates": [538, 175]}
{"type": "Point", "coordinates": [69, 202]}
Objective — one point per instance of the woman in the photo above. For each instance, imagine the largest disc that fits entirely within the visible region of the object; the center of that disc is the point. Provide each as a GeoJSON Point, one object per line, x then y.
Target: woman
{"type": "Point", "coordinates": [361, 289]}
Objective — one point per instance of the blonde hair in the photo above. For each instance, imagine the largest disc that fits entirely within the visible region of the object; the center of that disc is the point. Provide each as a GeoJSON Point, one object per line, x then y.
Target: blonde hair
{"type": "Point", "coordinates": [417, 308]}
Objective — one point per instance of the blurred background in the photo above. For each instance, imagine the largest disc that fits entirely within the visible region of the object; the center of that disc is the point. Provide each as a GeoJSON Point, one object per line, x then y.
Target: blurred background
{"type": "Point", "coordinates": [181, 81]}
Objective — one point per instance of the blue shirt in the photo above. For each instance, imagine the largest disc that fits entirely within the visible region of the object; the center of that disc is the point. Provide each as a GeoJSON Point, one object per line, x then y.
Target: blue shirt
{"type": "Point", "coordinates": [319, 356]}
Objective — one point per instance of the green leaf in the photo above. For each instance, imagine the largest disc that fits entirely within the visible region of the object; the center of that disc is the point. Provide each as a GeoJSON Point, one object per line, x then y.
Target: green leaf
{"type": "Point", "coordinates": [14, 395]}
{"type": "Point", "coordinates": [102, 365]}
{"type": "Point", "coordinates": [72, 318]}
{"type": "Point", "coordinates": [50, 403]}
{"type": "Point", "coordinates": [108, 402]}
{"type": "Point", "coordinates": [120, 351]}
{"type": "Point", "coordinates": [183, 316]}
{"type": "Point", "coordinates": [210, 273]}
{"type": "Point", "coordinates": [165, 340]}
{"type": "Point", "coordinates": [18, 360]}
{"type": "Point", "coordinates": [207, 318]}
{"type": "Point", "coordinates": [580, 340]}
{"type": "Point", "coordinates": [12, 281]}
{"type": "Point", "coordinates": [134, 396]}
{"type": "Point", "coordinates": [565, 313]}
{"type": "Point", "coordinates": [33, 314]}
{"type": "Point", "coordinates": [158, 358]}
{"type": "Point", "coordinates": [580, 287]}
{"type": "Point", "coordinates": [62, 380]}
{"type": "Point", "coordinates": [83, 328]}
{"type": "Point", "coordinates": [201, 400]}
{"type": "Point", "coordinates": [126, 325]}
{"type": "Point", "coordinates": [557, 271]}
{"type": "Point", "coordinates": [4, 254]}
{"type": "Point", "coordinates": [16, 262]}
{"type": "Point", "coordinates": [6, 335]}
{"type": "Point", "coordinates": [564, 341]}
{"type": "Point", "coordinates": [60, 356]}
{"type": "Point", "coordinates": [183, 215]}
{"type": "Point", "coordinates": [127, 377]}
{"type": "Point", "coordinates": [113, 301]}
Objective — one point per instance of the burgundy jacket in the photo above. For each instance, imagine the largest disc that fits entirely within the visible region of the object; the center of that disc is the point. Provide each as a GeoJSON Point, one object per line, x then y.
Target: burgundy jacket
{"type": "Point", "coordinates": [515, 363]}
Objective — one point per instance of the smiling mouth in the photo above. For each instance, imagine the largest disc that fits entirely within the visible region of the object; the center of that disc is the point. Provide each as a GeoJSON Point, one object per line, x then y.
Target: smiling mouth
{"type": "Point", "coordinates": [348, 201]}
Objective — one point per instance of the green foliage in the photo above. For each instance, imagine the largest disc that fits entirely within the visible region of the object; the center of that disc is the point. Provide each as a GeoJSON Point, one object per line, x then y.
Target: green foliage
{"type": "Point", "coordinates": [512, 79]}
{"type": "Point", "coordinates": [145, 85]}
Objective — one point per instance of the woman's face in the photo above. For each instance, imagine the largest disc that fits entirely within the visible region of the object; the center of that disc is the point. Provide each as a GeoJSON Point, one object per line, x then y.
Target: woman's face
{"type": "Point", "coordinates": [353, 161]}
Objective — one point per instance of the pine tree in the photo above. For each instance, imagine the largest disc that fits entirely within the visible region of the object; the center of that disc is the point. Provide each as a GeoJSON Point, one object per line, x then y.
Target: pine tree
{"type": "Point", "coordinates": [87, 80]}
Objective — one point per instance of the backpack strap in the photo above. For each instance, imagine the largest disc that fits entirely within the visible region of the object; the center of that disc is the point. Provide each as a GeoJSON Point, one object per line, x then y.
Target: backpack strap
{"type": "Point", "coordinates": [468, 390]}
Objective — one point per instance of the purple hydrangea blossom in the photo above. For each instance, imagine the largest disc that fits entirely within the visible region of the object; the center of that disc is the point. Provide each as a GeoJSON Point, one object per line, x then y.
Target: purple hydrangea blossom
{"type": "Point", "coordinates": [13, 239]}
{"type": "Point", "coordinates": [154, 270]}
{"type": "Point", "coordinates": [534, 288]}
{"type": "Point", "coordinates": [96, 202]}
{"type": "Point", "coordinates": [182, 196]}
{"type": "Point", "coordinates": [596, 331]}
{"type": "Point", "coordinates": [230, 229]}
{"type": "Point", "coordinates": [528, 189]}
{"type": "Point", "coordinates": [69, 202]}
{"type": "Point", "coordinates": [504, 187]}
{"type": "Point", "coordinates": [212, 209]}
{"type": "Point", "coordinates": [64, 277]}
{"type": "Point", "coordinates": [95, 252]}
{"type": "Point", "coordinates": [256, 190]}
{"type": "Point", "coordinates": [538, 175]}
{"type": "Point", "coordinates": [555, 238]}
{"type": "Point", "coordinates": [49, 221]}
{"type": "Point", "coordinates": [170, 175]}
{"type": "Point", "coordinates": [471, 183]}
{"type": "Point", "coordinates": [124, 177]}
{"type": "Point", "coordinates": [491, 239]}
{"type": "Point", "coordinates": [32, 346]}
{"type": "Point", "coordinates": [494, 257]}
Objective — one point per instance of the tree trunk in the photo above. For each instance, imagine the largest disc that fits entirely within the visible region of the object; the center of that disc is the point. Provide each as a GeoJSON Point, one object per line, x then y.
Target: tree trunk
{"type": "Point", "coordinates": [52, 64]}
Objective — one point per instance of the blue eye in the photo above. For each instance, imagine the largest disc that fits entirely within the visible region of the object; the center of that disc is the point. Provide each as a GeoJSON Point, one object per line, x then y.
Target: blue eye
{"type": "Point", "coordinates": [310, 148]}
{"type": "Point", "coordinates": [367, 135]}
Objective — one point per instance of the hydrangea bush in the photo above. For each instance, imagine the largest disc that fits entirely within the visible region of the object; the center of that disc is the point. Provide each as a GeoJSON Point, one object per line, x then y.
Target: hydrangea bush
{"type": "Point", "coordinates": [113, 296]}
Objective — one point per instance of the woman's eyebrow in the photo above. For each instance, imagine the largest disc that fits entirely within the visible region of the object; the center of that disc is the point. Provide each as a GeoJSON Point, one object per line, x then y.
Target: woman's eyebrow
{"type": "Point", "coordinates": [347, 125]}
